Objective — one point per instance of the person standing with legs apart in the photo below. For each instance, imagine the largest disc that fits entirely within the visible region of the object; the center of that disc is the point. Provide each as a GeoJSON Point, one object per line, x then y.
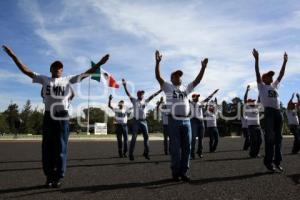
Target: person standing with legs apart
{"type": "Point", "coordinates": [251, 112]}
{"type": "Point", "coordinates": [140, 123]}
{"type": "Point", "coordinates": [245, 130]}
{"type": "Point", "coordinates": [197, 122]}
{"type": "Point", "coordinates": [121, 126]}
{"type": "Point", "coordinates": [211, 115]}
{"type": "Point", "coordinates": [293, 122]}
{"type": "Point", "coordinates": [268, 93]}
{"type": "Point", "coordinates": [162, 108]}
{"type": "Point", "coordinates": [179, 122]}
{"type": "Point", "coordinates": [56, 95]}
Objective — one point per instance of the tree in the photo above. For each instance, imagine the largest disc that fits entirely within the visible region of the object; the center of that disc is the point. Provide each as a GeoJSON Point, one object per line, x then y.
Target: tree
{"type": "Point", "coordinates": [25, 117]}
{"type": "Point", "coordinates": [36, 121]}
{"type": "Point", "coordinates": [3, 124]}
{"type": "Point", "coordinates": [12, 117]}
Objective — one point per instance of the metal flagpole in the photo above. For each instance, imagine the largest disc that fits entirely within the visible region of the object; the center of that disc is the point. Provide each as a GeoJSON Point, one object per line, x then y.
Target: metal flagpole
{"type": "Point", "coordinates": [88, 112]}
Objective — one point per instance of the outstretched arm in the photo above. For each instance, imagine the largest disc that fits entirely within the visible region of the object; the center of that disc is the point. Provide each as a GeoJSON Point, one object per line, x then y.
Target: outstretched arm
{"type": "Point", "coordinates": [246, 94]}
{"type": "Point", "coordinates": [94, 68]}
{"type": "Point", "coordinates": [201, 73]}
{"type": "Point", "coordinates": [109, 102]}
{"type": "Point", "coordinates": [158, 57]}
{"type": "Point", "coordinates": [210, 96]}
{"type": "Point", "coordinates": [153, 95]}
{"type": "Point", "coordinates": [291, 100]}
{"type": "Point", "coordinates": [23, 68]}
{"type": "Point", "coordinates": [281, 73]}
{"type": "Point", "coordinates": [126, 89]}
{"type": "Point", "coordinates": [256, 56]}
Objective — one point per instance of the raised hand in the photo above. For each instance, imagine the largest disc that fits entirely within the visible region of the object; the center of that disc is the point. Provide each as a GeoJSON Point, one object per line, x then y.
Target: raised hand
{"type": "Point", "coordinates": [158, 56]}
{"type": "Point", "coordinates": [255, 54]}
{"type": "Point", "coordinates": [285, 57]}
{"type": "Point", "coordinates": [248, 87]}
{"type": "Point", "coordinates": [204, 62]}
{"type": "Point", "coordinates": [8, 50]}
{"type": "Point", "coordinates": [123, 81]}
{"type": "Point", "coordinates": [104, 59]}
{"type": "Point", "coordinates": [110, 97]}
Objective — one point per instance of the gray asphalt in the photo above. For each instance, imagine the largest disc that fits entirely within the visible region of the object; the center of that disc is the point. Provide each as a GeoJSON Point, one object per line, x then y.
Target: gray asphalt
{"type": "Point", "coordinates": [94, 172]}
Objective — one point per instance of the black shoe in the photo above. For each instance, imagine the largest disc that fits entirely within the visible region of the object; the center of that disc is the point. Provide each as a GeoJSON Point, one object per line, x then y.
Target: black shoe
{"type": "Point", "coordinates": [57, 183]}
{"type": "Point", "coordinates": [120, 155]}
{"type": "Point", "coordinates": [125, 155]}
{"type": "Point", "coordinates": [185, 178]}
{"type": "Point", "coordinates": [146, 155]}
{"type": "Point", "coordinates": [200, 155]}
{"type": "Point", "coordinates": [192, 156]}
{"type": "Point", "coordinates": [270, 167]}
{"type": "Point", "coordinates": [166, 153]}
{"type": "Point", "coordinates": [279, 168]}
{"type": "Point", "coordinates": [49, 182]}
{"type": "Point", "coordinates": [131, 157]}
{"type": "Point", "coordinates": [175, 178]}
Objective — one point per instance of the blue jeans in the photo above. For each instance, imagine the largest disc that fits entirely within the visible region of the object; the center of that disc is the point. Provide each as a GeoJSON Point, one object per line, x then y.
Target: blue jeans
{"type": "Point", "coordinates": [122, 132]}
{"type": "Point", "coordinates": [247, 138]}
{"type": "Point", "coordinates": [54, 145]}
{"type": "Point", "coordinates": [166, 139]}
{"type": "Point", "coordinates": [273, 136]}
{"type": "Point", "coordinates": [139, 126]}
{"type": "Point", "coordinates": [255, 140]}
{"type": "Point", "coordinates": [180, 145]}
{"type": "Point", "coordinates": [213, 138]}
{"type": "Point", "coordinates": [198, 130]}
{"type": "Point", "coordinates": [295, 129]}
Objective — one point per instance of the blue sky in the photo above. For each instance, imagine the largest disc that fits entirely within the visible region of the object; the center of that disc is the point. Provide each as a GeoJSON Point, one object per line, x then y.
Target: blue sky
{"type": "Point", "coordinates": [76, 32]}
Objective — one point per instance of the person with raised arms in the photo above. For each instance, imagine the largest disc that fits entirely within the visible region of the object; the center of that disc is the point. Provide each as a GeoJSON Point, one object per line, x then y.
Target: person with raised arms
{"type": "Point", "coordinates": [211, 115]}
{"type": "Point", "coordinates": [121, 127]}
{"type": "Point", "coordinates": [162, 108]}
{"type": "Point", "coordinates": [293, 122]}
{"type": "Point", "coordinates": [251, 112]}
{"type": "Point", "coordinates": [269, 97]}
{"type": "Point", "coordinates": [197, 122]}
{"type": "Point", "coordinates": [179, 124]}
{"type": "Point", "coordinates": [56, 95]}
{"type": "Point", "coordinates": [140, 123]}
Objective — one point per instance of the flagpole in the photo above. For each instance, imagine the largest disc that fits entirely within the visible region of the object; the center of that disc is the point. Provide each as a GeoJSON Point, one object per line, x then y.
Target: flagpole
{"type": "Point", "coordinates": [88, 112]}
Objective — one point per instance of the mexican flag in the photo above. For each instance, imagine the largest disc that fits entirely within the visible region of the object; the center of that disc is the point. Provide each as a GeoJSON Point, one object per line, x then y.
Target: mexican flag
{"type": "Point", "coordinates": [102, 74]}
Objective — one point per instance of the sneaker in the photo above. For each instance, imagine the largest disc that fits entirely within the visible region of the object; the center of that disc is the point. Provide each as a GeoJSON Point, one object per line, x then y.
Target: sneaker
{"type": "Point", "coordinates": [270, 167]}
{"type": "Point", "coordinates": [185, 178]}
{"type": "Point", "coordinates": [175, 177]}
{"type": "Point", "coordinates": [57, 183]}
{"type": "Point", "coordinates": [131, 157]}
{"type": "Point", "coordinates": [49, 182]}
{"type": "Point", "coordinates": [146, 155]}
{"type": "Point", "coordinates": [125, 155]}
{"type": "Point", "coordinates": [279, 168]}
{"type": "Point", "coordinates": [200, 155]}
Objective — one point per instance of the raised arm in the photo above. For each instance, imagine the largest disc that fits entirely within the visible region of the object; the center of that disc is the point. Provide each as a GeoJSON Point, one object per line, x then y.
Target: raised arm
{"type": "Point", "coordinates": [210, 96]}
{"type": "Point", "coordinates": [158, 57]}
{"type": "Point", "coordinates": [201, 73]}
{"type": "Point", "coordinates": [23, 68]}
{"type": "Point", "coordinates": [256, 56]}
{"type": "Point", "coordinates": [298, 99]}
{"type": "Point", "coordinates": [126, 89]}
{"type": "Point", "coordinates": [153, 95]}
{"type": "Point", "coordinates": [291, 100]}
{"type": "Point", "coordinates": [94, 67]}
{"type": "Point", "coordinates": [281, 73]}
{"type": "Point", "coordinates": [246, 94]}
{"type": "Point", "coordinates": [109, 102]}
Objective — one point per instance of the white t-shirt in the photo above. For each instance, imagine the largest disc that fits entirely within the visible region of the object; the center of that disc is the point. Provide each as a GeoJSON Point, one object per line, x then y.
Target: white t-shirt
{"type": "Point", "coordinates": [292, 117]}
{"type": "Point", "coordinates": [196, 110]}
{"type": "Point", "coordinates": [56, 91]}
{"type": "Point", "coordinates": [211, 118]}
{"type": "Point", "coordinates": [121, 115]}
{"type": "Point", "coordinates": [252, 114]}
{"type": "Point", "coordinates": [177, 99]}
{"type": "Point", "coordinates": [269, 95]}
{"type": "Point", "coordinates": [244, 122]}
{"type": "Point", "coordinates": [139, 108]}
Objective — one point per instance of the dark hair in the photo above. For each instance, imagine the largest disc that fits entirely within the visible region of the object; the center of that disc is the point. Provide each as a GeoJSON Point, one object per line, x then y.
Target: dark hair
{"type": "Point", "coordinates": [56, 64]}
